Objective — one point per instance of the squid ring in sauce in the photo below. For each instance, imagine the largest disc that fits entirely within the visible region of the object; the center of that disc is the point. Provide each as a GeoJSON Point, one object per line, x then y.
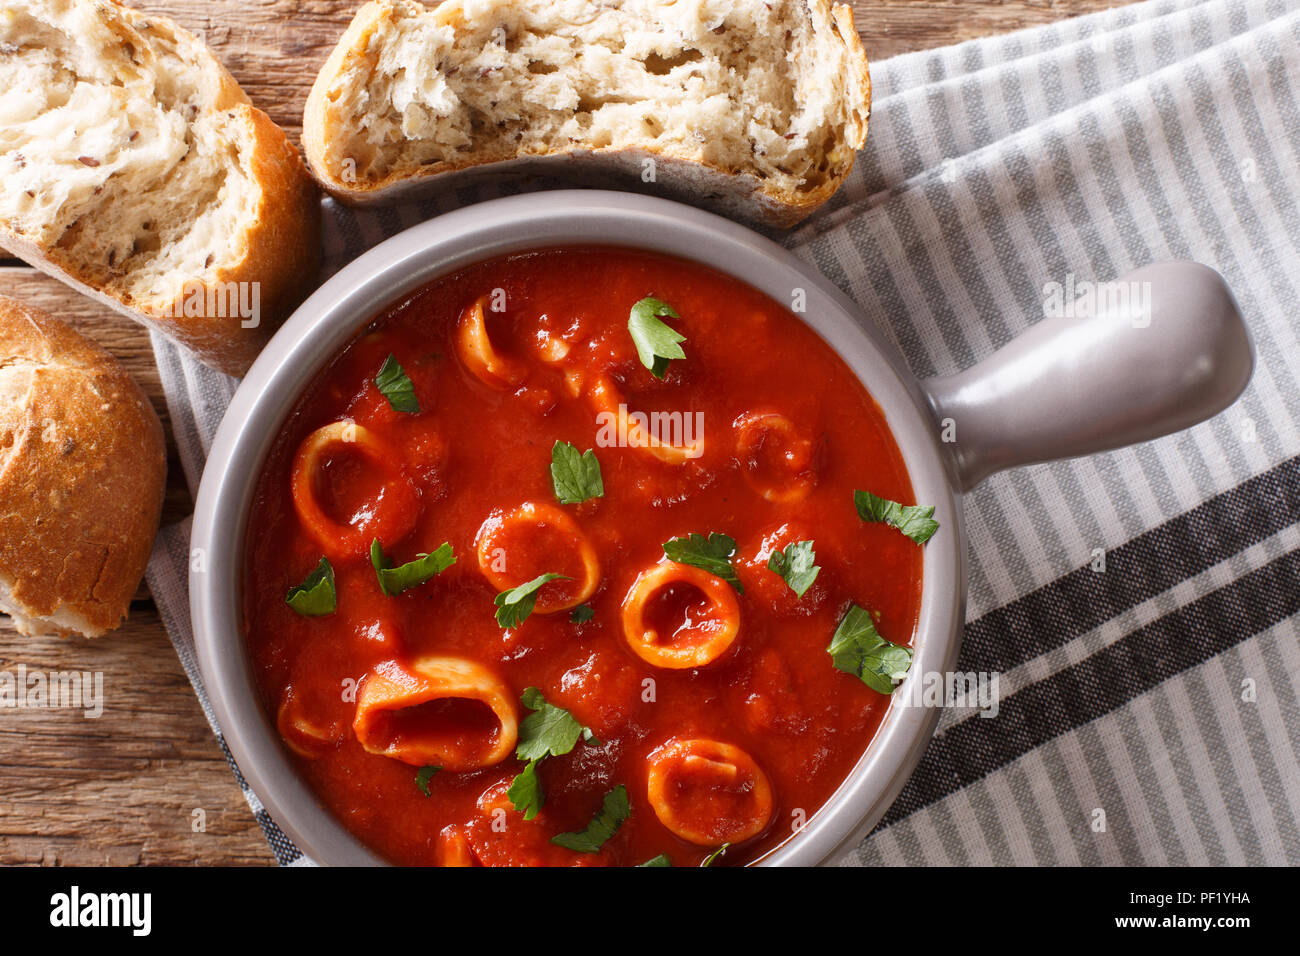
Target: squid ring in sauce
{"type": "Point", "coordinates": [441, 711]}
{"type": "Point", "coordinates": [607, 400]}
{"type": "Point", "coordinates": [301, 733]}
{"type": "Point", "coordinates": [778, 462]}
{"type": "Point", "coordinates": [708, 792]}
{"type": "Point", "coordinates": [537, 538]}
{"type": "Point", "coordinates": [389, 515]}
{"type": "Point", "coordinates": [479, 355]}
{"type": "Point", "coordinates": [454, 847]}
{"type": "Point", "coordinates": [678, 616]}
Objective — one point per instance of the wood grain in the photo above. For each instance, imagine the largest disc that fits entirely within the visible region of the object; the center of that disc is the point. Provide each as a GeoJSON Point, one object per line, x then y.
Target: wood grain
{"type": "Point", "coordinates": [123, 788]}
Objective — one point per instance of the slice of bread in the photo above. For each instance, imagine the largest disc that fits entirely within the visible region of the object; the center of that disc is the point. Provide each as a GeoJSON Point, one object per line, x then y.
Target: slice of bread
{"type": "Point", "coordinates": [82, 473]}
{"type": "Point", "coordinates": [134, 168]}
{"type": "Point", "coordinates": [754, 107]}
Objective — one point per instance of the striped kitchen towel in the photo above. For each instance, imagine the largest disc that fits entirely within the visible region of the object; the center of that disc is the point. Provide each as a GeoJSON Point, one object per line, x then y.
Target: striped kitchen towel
{"type": "Point", "coordinates": [1148, 712]}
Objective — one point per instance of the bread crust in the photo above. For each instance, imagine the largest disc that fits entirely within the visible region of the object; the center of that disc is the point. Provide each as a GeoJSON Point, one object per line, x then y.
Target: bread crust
{"type": "Point", "coordinates": [280, 243]}
{"type": "Point", "coordinates": [738, 194]}
{"type": "Point", "coordinates": [83, 470]}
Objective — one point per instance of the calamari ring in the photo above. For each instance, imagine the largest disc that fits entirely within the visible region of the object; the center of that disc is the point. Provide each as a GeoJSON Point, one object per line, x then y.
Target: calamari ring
{"type": "Point", "coordinates": [441, 711]}
{"type": "Point", "coordinates": [779, 463]}
{"type": "Point", "coordinates": [393, 512]}
{"type": "Point", "coordinates": [552, 349]}
{"type": "Point", "coordinates": [508, 558]}
{"type": "Point", "coordinates": [454, 847]}
{"type": "Point", "coordinates": [304, 735]}
{"type": "Point", "coordinates": [478, 354]}
{"type": "Point", "coordinates": [708, 792]}
{"type": "Point", "coordinates": [703, 635]}
{"type": "Point", "coordinates": [606, 399]}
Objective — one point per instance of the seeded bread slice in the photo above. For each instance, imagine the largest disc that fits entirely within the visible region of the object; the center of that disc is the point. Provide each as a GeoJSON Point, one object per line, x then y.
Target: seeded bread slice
{"type": "Point", "coordinates": [134, 168]}
{"type": "Point", "coordinates": [752, 107]}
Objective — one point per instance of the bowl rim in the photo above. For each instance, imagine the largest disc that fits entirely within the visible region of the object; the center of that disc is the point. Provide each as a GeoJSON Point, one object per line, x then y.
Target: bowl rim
{"type": "Point", "coordinates": [400, 265]}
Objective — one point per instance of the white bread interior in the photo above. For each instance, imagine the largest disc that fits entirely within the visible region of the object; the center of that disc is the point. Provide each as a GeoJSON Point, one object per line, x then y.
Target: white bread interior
{"type": "Point", "coordinates": [773, 95]}
{"type": "Point", "coordinates": [133, 166]}
{"type": "Point", "coordinates": [62, 622]}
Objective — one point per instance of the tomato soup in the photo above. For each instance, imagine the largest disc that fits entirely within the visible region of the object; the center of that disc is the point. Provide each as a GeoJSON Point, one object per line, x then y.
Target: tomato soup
{"type": "Point", "coordinates": [585, 556]}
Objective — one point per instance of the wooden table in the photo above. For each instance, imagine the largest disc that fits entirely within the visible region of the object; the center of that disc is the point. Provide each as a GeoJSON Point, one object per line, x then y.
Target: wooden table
{"type": "Point", "coordinates": [124, 788]}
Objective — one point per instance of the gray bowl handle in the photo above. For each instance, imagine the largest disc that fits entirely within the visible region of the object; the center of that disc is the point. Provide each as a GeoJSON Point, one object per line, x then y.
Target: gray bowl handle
{"type": "Point", "coordinates": [1156, 352]}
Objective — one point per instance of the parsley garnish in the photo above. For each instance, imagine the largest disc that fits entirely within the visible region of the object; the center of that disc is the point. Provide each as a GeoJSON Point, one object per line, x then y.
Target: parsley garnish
{"type": "Point", "coordinates": [720, 851]}
{"type": "Point", "coordinates": [423, 777]}
{"type": "Point", "coordinates": [656, 343]}
{"type": "Point", "coordinates": [582, 614]}
{"type": "Point", "coordinates": [549, 731]}
{"type": "Point", "coordinates": [394, 580]}
{"type": "Point", "coordinates": [713, 554]}
{"type": "Point", "coordinates": [914, 521]}
{"type": "Point", "coordinates": [603, 825]}
{"type": "Point", "coordinates": [396, 387]}
{"type": "Point", "coordinates": [315, 596]}
{"type": "Point", "coordinates": [514, 606]}
{"type": "Point", "coordinates": [575, 475]}
{"type": "Point", "coordinates": [859, 650]}
{"type": "Point", "coordinates": [660, 860]}
{"type": "Point", "coordinates": [795, 564]}
{"type": "Point", "coordinates": [525, 791]}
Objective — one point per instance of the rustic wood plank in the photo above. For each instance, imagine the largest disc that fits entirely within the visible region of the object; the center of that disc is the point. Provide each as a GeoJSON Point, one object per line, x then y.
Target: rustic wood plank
{"type": "Point", "coordinates": [122, 788]}
{"type": "Point", "coordinates": [891, 27]}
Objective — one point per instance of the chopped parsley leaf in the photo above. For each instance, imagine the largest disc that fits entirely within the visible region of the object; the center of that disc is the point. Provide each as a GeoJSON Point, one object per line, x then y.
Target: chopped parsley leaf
{"type": "Point", "coordinates": [394, 580]}
{"type": "Point", "coordinates": [424, 776]}
{"type": "Point", "coordinates": [526, 791]}
{"type": "Point", "coordinates": [913, 520]}
{"type": "Point", "coordinates": [316, 595]}
{"type": "Point", "coordinates": [656, 343]}
{"type": "Point", "coordinates": [575, 475]}
{"type": "Point", "coordinates": [796, 565]}
{"type": "Point", "coordinates": [603, 825]}
{"type": "Point", "coordinates": [859, 650]}
{"type": "Point", "coordinates": [549, 731]}
{"type": "Point", "coordinates": [713, 554]}
{"type": "Point", "coordinates": [395, 386]}
{"type": "Point", "coordinates": [514, 606]}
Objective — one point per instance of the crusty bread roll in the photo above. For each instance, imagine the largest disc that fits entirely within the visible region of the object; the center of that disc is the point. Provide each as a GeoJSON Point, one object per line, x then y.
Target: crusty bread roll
{"type": "Point", "coordinates": [82, 470]}
{"type": "Point", "coordinates": [134, 168]}
{"type": "Point", "coordinates": [755, 107]}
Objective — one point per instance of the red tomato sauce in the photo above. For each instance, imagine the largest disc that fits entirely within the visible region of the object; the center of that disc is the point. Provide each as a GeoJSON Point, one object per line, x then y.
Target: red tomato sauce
{"type": "Point", "coordinates": [474, 449]}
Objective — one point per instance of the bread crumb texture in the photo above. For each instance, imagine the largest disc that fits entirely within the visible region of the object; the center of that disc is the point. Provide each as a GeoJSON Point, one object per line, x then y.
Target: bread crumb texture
{"type": "Point", "coordinates": [82, 476]}
{"type": "Point", "coordinates": [775, 91]}
{"type": "Point", "coordinates": [132, 163]}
